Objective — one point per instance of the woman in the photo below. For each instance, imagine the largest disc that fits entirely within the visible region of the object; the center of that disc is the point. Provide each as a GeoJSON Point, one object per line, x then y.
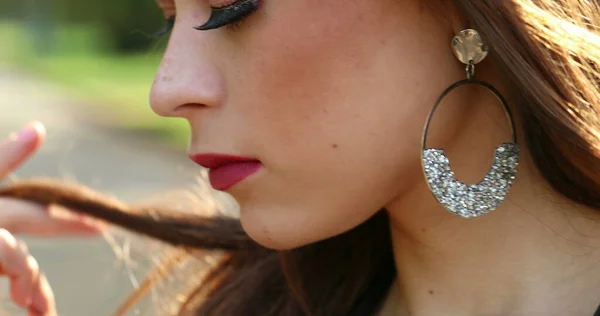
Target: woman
{"type": "Point", "coordinates": [317, 116]}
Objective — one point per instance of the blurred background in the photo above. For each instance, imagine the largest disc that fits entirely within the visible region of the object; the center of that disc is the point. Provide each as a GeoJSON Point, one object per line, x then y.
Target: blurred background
{"type": "Point", "coordinates": [84, 69]}
{"type": "Point", "coordinates": [102, 50]}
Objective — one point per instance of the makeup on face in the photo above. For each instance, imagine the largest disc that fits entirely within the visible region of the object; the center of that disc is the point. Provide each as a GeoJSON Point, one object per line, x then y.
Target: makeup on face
{"type": "Point", "coordinates": [225, 171]}
{"type": "Point", "coordinates": [223, 12]}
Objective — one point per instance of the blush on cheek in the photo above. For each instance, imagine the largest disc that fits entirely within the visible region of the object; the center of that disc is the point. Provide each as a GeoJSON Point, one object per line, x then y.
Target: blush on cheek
{"type": "Point", "coordinates": [305, 49]}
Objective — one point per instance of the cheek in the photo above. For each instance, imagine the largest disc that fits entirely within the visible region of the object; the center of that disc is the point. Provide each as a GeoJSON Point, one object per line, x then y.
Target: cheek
{"type": "Point", "coordinates": [342, 81]}
{"type": "Point", "coordinates": [336, 110]}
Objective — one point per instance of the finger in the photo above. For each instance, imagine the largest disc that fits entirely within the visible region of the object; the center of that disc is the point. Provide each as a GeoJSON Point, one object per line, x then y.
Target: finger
{"type": "Point", "coordinates": [29, 288]}
{"type": "Point", "coordinates": [66, 221]}
{"type": "Point", "coordinates": [43, 302]}
{"type": "Point", "coordinates": [23, 286]}
{"type": "Point", "coordinates": [23, 217]}
{"type": "Point", "coordinates": [19, 266]}
{"type": "Point", "coordinates": [18, 147]}
{"type": "Point", "coordinates": [17, 214]}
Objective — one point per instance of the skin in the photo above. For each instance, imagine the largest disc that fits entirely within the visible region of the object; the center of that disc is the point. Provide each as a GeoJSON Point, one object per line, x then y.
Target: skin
{"type": "Point", "coordinates": [332, 96]}
{"type": "Point", "coordinates": [29, 288]}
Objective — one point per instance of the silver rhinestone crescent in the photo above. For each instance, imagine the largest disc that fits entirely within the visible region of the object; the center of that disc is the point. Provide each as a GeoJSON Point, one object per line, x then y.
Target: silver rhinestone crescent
{"type": "Point", "coordinates": [476, 199]}
{"type": "Point", "coordinates": [465, 200]}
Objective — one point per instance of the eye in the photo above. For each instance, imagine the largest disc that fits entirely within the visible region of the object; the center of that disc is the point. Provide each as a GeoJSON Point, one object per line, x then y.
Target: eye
{"type": "Point", "coordinates": [229, 14]}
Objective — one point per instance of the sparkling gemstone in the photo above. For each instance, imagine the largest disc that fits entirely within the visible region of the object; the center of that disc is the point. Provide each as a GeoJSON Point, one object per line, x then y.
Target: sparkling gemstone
{"type": "Point", "coordinates": [477, 199]}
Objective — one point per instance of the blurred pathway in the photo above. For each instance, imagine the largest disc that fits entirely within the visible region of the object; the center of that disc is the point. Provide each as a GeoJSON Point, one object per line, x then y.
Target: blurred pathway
{"type": "Point", "coordinates": [87, 278]}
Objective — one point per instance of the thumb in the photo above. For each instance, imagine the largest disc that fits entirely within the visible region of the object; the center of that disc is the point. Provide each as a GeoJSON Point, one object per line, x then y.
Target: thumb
{"type": "Point", "coordinates": [22, 217]}
{"type": "Point", "coordinates": [20, 146]}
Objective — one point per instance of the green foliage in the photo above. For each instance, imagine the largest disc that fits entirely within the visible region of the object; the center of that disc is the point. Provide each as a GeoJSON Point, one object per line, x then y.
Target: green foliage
{"type": "Point", "coordinates": [99, 50]}
{"type": "Point", "coordinates": [117, 88]}
{"type": "Point", "coordinates": [12, 9]}
{"type": "Point", "coordinates": [126, 24]}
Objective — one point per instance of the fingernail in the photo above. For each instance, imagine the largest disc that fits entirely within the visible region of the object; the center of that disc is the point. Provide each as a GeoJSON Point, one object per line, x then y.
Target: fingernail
{"type": "Point", "coordinates": [27, 134]}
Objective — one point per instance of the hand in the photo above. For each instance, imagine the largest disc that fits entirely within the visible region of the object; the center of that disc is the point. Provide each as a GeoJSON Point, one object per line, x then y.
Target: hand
{"type": "Point", "coordinates": [28, 286]}
{"type": "Point", "coordinates": [23, 217]}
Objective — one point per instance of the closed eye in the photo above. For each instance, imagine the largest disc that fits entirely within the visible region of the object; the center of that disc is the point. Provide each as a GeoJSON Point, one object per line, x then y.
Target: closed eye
{"type": "Point", "coordinates": [229, 14]}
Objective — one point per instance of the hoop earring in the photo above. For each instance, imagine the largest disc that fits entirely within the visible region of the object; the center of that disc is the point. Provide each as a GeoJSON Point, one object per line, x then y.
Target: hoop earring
{"type": "Point", "coordinates": [474, 200]}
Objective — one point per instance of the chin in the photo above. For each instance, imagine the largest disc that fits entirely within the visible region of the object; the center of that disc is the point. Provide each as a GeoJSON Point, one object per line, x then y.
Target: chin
{"type": "Point", "coordinates": [281, 228]}
{"type": "Point", "coordinates": [278, 229]}
{"type": "Point", "coordinates": [270, 235]}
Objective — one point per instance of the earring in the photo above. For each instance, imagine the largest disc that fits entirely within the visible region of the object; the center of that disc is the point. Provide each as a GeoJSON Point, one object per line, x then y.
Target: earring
{"type": "Point", "coordinates": [464, 200]}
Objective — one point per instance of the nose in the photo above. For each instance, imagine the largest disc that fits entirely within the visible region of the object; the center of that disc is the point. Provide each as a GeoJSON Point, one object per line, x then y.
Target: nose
{"type": "Point", "coordinates": [187, 77]}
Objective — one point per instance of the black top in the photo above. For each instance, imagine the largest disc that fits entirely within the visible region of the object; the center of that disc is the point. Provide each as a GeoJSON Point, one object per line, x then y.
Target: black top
{"type": "Point", "coordinates": [597, 313]}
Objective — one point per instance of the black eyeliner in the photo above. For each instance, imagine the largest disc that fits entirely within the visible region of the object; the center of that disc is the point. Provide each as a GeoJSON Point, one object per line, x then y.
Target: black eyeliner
{"type": "Point", "coordinates": [234, 12]}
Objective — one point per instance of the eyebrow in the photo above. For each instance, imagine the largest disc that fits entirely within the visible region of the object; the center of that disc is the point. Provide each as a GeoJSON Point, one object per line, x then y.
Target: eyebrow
{"type": "Point", "coordinates": [167, 6]}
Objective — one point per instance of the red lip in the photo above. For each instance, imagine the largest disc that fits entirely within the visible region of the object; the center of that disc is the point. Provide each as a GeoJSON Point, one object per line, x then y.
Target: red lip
{"type": "Point", "coordinates": [226, 170]}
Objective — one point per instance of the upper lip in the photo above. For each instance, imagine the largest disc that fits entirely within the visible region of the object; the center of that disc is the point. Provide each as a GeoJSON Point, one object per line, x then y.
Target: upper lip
{"type": "Point", "coordinates": [212, 161]}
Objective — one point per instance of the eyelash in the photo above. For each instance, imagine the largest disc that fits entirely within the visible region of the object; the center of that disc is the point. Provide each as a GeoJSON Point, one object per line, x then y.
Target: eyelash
{"type": "Point", "coordinates": [232, 14]}
{"type": "Point", "coordinates": [233, 23]}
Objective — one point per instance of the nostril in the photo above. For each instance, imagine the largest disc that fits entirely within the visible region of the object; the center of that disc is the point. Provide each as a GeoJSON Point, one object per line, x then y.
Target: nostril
{"type": "Point", "coordinates": [187, 108]}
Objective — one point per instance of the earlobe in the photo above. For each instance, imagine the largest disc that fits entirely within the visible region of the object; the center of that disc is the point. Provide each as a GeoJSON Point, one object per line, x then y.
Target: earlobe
{"type": "Point", "coordinates": [449, 13]}
{"type": "Point", "coordinates": [458, 21]}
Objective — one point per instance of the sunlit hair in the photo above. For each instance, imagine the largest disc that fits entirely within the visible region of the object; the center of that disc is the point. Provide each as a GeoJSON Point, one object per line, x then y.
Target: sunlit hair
{"type": "Point", "coordinates": [548, 51]}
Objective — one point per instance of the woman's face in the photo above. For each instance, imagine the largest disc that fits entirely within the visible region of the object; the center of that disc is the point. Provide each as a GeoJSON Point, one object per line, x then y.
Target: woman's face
{"type": "Point", "coordinates": [331, 96]}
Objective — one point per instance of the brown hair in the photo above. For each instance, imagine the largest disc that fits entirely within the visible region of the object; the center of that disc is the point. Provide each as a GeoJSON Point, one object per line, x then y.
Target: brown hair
{"type": "Point", "coordinates": [548, 51]}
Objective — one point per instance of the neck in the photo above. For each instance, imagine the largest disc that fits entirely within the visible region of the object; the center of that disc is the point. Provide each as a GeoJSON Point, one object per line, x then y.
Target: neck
{"type": "Point", "coordinates": [534, 255]}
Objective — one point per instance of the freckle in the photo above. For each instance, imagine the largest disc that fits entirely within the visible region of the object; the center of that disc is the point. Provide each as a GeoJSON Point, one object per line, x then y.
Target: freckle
{"type": "Point", "coordinates": [431, 292]}
{"type": "Point", "coordinates": [167, 78]}
{"type": "Point", "coordinates": [335, 146]}
{"type": "Point", "coordinates": [423, 230]}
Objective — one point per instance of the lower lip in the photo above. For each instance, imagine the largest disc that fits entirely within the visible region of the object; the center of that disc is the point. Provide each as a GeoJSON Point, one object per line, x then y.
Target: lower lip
{"type": "Point", "coordinates": [225, 177]}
